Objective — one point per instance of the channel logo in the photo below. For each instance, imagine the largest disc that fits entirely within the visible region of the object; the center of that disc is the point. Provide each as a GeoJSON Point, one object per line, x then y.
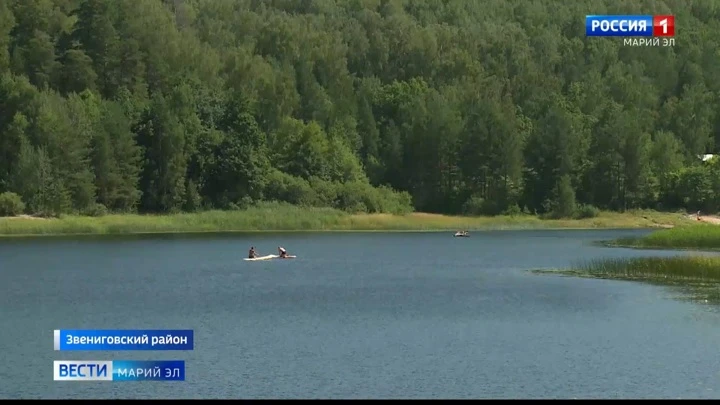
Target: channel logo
{"type": "Point", "coordinates": [119, 370]}
{"type": "Point", "coordinates": [82, 370]}
{"type": "Point", "coordinates": [630, 26]}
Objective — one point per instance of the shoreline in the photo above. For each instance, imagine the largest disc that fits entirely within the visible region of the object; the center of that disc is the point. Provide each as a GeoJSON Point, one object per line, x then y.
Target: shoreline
{"type": "Point", "coordinates": [298, 231]}
{"type": "Point", "coordinates": [291, 219]}
{"type": "Point", "coordinates": [649, 247]}
{"type": "Point", "coordinates": [637, 244]}
{"type": "Point", "coordinates": [701, 237]}
{"type": "Point", "coordinates": [697, 276]}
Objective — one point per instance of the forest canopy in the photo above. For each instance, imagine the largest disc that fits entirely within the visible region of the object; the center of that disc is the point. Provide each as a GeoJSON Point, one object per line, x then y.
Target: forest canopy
{"type": "Point", "coordinates": [472, 107]}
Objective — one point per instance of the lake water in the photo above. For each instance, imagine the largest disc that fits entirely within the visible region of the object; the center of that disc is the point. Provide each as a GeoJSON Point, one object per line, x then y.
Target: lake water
{"type": "Point", "coordinates": [357, 315]}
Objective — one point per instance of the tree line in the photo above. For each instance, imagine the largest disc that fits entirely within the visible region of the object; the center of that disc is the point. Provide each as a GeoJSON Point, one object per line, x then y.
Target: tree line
{"type": "Point", "coordinates": [461, 107]}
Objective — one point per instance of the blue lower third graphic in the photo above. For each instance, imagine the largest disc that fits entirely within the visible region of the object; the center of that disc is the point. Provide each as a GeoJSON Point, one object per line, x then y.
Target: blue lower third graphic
{"type": "Point", "coordinates": [130, 339]}
{"type": "Point", "coordinates": [119, 370]}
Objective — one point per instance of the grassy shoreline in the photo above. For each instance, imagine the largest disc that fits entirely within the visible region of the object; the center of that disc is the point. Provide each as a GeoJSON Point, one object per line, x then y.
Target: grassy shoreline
{"type": "Point", "coordinates": [698, 277]}
{"type": "Point", "coordinates": [702, 269]}
{"type": "Point", "coordinates": [692, 237]}
{"type": "Point", "coordinates": [279, 218]}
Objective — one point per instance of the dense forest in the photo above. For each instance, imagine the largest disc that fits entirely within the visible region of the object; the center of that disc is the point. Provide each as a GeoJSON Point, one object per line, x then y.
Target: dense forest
{"type": "Point", "coordinates": [452, 106]}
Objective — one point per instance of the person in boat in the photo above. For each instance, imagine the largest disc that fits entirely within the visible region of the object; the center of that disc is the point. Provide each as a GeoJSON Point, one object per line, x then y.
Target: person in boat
{"type": "Point", "coordinates": [252, 254]}
{"type": "Point", "coordinates": [282, 252]}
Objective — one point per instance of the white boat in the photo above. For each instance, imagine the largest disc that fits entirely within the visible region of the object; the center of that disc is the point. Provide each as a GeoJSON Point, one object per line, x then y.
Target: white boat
{"type": "Point", "coordinates": [268, 257]}
{"type": "Point", "coordinates": [462, 234]}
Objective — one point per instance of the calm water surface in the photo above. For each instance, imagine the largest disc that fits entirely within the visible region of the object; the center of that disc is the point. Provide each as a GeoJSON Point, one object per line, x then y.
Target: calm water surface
{"type": "Point", "coordinates": [357, 315]}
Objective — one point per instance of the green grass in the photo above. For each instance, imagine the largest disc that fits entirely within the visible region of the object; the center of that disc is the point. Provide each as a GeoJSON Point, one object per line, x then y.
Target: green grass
{"type": "Point", "coordinates": [280, 217]}
{"type": "Point", "coordinates": [676, 268]}
{"type": "Point", "coordinates": [697, 276]}
{"type": "Point", "coordinates": [696, 236]}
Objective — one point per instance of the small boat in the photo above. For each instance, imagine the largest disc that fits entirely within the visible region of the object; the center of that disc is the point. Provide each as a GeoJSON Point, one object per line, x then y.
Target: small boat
{"type": "Point", "coordinates": [268, 257]}
{"type": "Point", "coordinates": [462, 234]}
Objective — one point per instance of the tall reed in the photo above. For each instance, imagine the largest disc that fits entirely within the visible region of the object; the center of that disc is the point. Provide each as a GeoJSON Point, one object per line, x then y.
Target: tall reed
{"type": "Point", "coordinates": [700, 236]}
{"type": "Point", "coordinates": [284, 217]}
{"type": "Point", "coordinates": [677, 268]}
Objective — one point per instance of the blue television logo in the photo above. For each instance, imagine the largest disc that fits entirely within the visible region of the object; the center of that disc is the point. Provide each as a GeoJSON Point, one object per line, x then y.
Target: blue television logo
{"type": "Point", "coordinates": [119, 370]}
{"type": "Point", "coordinates": [82, 370]}
{"type": "Point", "coordinates": [619, 25]}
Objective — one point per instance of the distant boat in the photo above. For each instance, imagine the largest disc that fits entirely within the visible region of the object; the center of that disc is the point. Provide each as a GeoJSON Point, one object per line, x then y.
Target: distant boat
{"type": "Point", "coordinates": [462, 234]}
{"type": "Point", "coordinates": [268, 257]}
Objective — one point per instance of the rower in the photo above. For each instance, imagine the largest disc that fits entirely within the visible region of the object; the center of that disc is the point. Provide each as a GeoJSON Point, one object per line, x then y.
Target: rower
{"type": "Point", "coordinates": [252, 254]}
{"type": "Point", "coordinates": [282, 252]}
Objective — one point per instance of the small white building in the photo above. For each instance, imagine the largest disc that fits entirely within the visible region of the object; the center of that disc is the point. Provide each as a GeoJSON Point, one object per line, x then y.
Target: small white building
{"type": "Point", "coordinates": [706, 157]}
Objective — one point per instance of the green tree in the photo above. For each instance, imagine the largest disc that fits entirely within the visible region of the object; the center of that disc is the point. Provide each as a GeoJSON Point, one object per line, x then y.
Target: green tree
{"type": "Point", "coordinates": [7, 22]}
{"type": "Point", "coordinates": [241, 163]}
{"type": "Point", "coordinates": [363, 105]}
{"type": "Point", "coordinates": [165, 162]}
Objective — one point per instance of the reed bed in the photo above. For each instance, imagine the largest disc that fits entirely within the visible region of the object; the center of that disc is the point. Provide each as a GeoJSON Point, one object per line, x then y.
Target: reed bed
{"type": "Point", "coordinates": [704, 269]}
{"type": "Point", "coordinates": [697, 236]}
{"type": "Point", "coordinates": [282, 217]}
